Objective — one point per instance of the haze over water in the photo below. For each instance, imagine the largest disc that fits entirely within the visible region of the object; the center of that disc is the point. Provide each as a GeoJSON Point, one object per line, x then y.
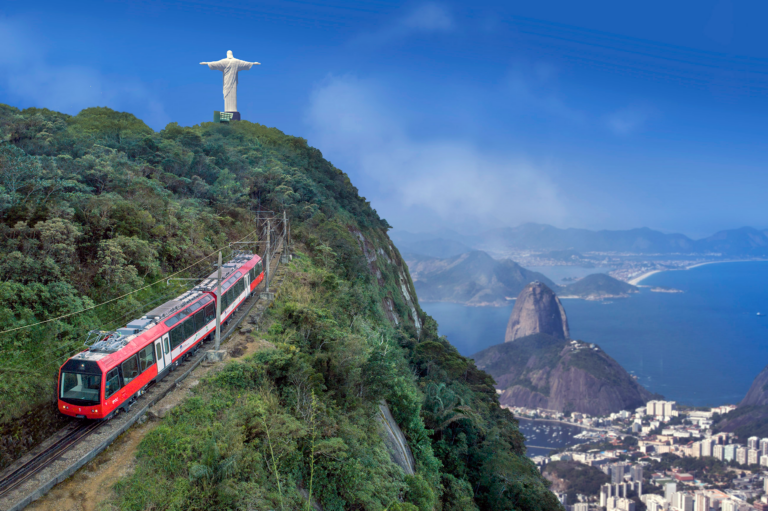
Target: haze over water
{"type": "Point", "coordinates": [700, 347]}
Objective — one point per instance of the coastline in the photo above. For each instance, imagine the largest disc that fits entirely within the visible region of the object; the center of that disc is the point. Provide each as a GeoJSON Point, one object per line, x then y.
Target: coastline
{"type": "Point", "coordinates": [582, 426]}
{"type": "Point", "coordinates": [636, 280]}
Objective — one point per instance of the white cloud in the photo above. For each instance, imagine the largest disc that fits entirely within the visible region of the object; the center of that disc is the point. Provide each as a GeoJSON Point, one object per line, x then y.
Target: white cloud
{"type": "Point", "coordinates": [28, 77]}
{"type": "Point", "coordinates": [441, 182]}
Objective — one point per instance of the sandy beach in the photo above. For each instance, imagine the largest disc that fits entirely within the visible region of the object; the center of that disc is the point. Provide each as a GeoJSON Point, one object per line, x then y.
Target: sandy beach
{"type": "Point", "coordinates": [635, 281]}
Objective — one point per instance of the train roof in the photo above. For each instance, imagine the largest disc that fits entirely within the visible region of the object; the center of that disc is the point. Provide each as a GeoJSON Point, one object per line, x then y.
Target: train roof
{"type": "Point", "coordinates": [102, 344]}
{"type": "Point", "coordinates": [227, 270]}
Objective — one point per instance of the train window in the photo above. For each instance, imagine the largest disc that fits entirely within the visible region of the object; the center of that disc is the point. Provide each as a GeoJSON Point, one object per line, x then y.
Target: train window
{"type": "Point", "coordinates": [194, 307]}
{"type": "Point", "coordinates": [210, 313]}
{"type": "Point", "coordinates": [199, 321]}
{"type": "Point", "coordinates": [165, 344]}
{"type": "Point", "coordinates": [177, 336]}
{"type": "Point", "coordinates": [85, 388]}
{"type": "Point", "coordinates": [146, 358]}
{"type": "Point", "coordinates": [189, 328]}
{"type": "Point", "coordinates": [158, 352]}
{"type": "Point", "coordinates": [130, 369]}
{"type": "Point", "coordinates": [239, 287]}
{"type": "Point", "coordinates": [113, 383]}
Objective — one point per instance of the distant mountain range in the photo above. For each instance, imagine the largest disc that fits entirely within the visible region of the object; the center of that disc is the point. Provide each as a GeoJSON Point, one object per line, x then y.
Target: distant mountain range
{"type": "Point", "coordinates": [743, 242]}
{"type": "Point", "coordinates": [475, 278]}
{"type": "Point", "coordinates": [472, 278]}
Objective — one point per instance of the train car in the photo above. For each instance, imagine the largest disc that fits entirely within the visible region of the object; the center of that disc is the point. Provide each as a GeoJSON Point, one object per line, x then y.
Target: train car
{"type": "Point", "coordinates": [119, 365]}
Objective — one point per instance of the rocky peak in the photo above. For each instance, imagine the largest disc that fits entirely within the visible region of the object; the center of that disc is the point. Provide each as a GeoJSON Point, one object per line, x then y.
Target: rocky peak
{"type": "Point", "coordinates": [537, 311]}
{"type": "Point", "coordinates": [758, 392]}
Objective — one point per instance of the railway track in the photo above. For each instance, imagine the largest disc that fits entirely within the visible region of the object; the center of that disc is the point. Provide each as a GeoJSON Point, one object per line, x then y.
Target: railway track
{"type": "Point", "coordinates": [19, 476]}
{"type": "Point", "coordinates": [15, 495]}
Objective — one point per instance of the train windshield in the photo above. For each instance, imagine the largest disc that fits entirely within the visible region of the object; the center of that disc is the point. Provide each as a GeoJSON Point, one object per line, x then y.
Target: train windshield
{"type": "Point", "coordinates": [80, 389]}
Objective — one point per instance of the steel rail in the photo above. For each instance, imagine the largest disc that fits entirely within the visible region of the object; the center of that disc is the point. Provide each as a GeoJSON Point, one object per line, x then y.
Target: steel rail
{"type": "Point", "coordinates": [46, 457]}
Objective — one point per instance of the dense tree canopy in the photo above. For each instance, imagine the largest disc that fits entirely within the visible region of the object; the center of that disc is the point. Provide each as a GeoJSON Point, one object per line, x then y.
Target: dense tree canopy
{"type": "Point", "coordinates": [97, 205]}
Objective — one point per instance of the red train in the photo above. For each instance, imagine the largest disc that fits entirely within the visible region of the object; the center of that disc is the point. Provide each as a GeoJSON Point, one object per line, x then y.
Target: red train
{"type": "Point", "coordinates": [119, 366]}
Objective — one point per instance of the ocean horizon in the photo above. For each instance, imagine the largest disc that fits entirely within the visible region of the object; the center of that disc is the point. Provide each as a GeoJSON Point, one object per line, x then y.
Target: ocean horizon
{"type": "Point", "coordinates": [702, 347]}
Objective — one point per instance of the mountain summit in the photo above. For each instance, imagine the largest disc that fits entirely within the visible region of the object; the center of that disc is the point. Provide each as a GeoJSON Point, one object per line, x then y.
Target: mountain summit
{"type": "Point", "coordinates": [539, 366]}
{"type": "Point", "coordinates": [537, 311]}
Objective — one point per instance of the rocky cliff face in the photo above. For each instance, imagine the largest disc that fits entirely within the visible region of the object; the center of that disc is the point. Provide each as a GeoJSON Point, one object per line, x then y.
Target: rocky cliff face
{"type": "Point", "coordinates": [758, 392]}
{"type": "Point", "coordinates": [541, 371]}
{"type": "Point", "coordinates": [537, 311]}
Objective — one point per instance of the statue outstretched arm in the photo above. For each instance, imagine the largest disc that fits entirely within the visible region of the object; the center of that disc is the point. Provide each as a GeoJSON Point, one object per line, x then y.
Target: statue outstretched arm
{"type": "Point", "coordinates": [256, 63]}
{"type": "Point", "coordinates": [203, 63]}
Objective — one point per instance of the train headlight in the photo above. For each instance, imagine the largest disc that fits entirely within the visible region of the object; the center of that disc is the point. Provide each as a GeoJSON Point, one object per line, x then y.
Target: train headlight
{"type": "Point", "coordinates": [94, 411]}
{"type": "Point", "coordinates": [65, 407]}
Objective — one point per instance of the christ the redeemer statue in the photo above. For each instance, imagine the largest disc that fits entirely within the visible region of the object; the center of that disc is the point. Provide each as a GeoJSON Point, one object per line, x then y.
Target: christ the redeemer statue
{"type": "Point", "coordinates": [230, 66]}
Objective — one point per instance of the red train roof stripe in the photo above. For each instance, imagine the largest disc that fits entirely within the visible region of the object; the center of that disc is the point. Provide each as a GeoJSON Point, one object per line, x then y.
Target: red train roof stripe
{"type": "Point", "coordinates": [145, 338]}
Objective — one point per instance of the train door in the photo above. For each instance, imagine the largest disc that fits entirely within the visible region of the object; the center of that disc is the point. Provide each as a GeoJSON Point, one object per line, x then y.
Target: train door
{"type": "Point", "coordinates": [159, 356]}
{"type": "Point", "coordinates": [167, 349]}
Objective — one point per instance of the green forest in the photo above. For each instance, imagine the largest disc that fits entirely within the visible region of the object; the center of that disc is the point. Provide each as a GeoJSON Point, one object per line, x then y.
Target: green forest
{"type": "Point", "coordinates": [98, 205]}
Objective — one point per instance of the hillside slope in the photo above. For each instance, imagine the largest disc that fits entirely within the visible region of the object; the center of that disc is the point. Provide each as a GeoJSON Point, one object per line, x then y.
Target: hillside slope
{"type": "Point", "coordinates": [98, 205]}
{"type": "Point", "coordinates": [598, 286]}
{"type": "Point", "coordinates": [473, 278]}
{"type": "Point", "coordinates": [541, 371]}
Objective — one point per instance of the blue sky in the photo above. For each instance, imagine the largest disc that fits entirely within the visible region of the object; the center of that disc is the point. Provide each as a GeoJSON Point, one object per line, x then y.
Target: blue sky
{"type": "Point", "coordinates": [462, 115]}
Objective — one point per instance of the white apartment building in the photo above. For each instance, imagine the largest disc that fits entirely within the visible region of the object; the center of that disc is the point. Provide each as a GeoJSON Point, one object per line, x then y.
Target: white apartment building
{"type": "Point", "coordinates": [741, 455]}
{"type": "Point", "coordinates": [753, 456]}
{"type": "Point", "coordinates": [660, 408]}
{"type": "Point", "coordinates": [683, 501]}
{"type": "Point", "coordinates": [620, 504]}
{"type": "Point", "coordinates": [701, 502]}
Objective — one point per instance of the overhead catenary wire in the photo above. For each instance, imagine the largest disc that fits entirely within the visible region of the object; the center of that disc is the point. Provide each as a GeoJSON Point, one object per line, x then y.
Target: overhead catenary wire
{"type": "Point", "coordinates": [126, 294]}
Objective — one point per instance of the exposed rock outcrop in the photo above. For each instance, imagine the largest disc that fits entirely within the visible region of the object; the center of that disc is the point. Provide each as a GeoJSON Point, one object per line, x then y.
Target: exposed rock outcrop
{"type": "Point", "coordinates": [395, 440]}
{"type": "Point", "coordinates": [541, 371]}
{"type": "Point", "coordinates": [758, 392]}
{"type": "Point", "coordinates": [537, 311]}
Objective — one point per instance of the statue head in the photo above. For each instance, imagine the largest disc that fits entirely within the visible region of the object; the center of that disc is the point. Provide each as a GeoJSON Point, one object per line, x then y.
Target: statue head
{"type": "Point", "coordinates": [229, 54]}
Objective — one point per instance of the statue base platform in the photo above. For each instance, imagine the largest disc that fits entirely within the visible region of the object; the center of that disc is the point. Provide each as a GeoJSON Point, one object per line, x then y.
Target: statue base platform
{"type": "Point", "coordinates": [225, 116]}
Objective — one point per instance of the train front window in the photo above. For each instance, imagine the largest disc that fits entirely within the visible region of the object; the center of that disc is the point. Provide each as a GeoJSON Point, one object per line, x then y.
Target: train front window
{"type": "Point", "coordinates": [80, 388]}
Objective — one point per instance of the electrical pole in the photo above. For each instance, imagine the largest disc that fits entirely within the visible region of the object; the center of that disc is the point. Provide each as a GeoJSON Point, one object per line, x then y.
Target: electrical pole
{"type": "Point", "coordinates": [218, 308]}
{"type": "Point", "coordinates": [285, 236]}
{"type": "Point", "coordinates": [266, 271]}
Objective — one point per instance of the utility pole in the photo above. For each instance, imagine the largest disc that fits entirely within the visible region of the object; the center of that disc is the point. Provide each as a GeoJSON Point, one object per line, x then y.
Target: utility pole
{"type": "Point", "coordinates": [266, 274]}
{"type": "Point", "coordinates": [218, 309]}
{"type": "Point", "coordinates": [285, 238]}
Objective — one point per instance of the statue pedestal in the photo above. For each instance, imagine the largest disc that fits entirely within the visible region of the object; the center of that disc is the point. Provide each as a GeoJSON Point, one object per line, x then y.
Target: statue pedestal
{"type": "Point", "coordinates": [225, 116]}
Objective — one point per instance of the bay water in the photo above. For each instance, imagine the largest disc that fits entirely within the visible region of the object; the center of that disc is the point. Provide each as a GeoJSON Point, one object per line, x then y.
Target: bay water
{"type": "Point", "coordinates": [700, 347]}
